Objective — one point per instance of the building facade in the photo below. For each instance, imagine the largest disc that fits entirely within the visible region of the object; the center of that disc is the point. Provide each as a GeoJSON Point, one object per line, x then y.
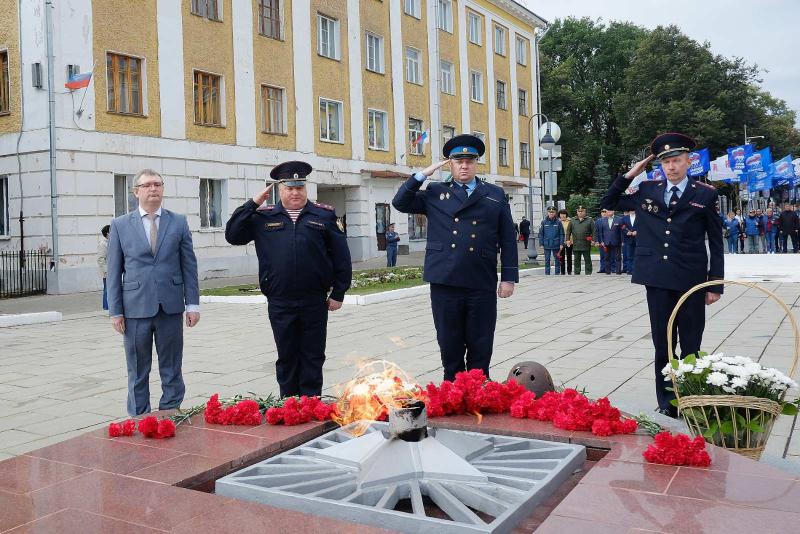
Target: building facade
{"type": "Point", "coordinates": [213, 93]}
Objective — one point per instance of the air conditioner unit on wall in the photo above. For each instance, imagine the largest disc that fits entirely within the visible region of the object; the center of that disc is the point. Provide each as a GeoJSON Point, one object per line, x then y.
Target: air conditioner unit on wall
{"type": "Point", "coordinates": [36, 75]}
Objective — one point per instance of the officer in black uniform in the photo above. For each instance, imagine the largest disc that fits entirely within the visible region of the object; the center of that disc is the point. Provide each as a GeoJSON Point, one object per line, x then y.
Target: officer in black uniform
{"type": "Point", "coordinates": [674, 217]}
{"type": "Point", "coordinates": [469, 222]}
{"type": "Point", "coordinates": [304, 270]}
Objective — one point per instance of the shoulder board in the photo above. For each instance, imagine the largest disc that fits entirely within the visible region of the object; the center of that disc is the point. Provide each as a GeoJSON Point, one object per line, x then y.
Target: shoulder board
{"type": "Point", "coordinates": [265, 208]}
{"type": "Point", "coordinates": [324, 206]}
{"type": "Point", "coordinates": [703, 184]}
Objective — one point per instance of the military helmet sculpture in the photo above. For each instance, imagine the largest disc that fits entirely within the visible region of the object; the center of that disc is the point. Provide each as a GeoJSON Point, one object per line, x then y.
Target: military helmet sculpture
{"type": "Point", "coordinates": [533, 376]}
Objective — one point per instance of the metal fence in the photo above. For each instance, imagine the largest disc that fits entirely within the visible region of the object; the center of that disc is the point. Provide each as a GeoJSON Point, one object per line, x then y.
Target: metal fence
{"type": "Point", "coordinates": [23, 273]}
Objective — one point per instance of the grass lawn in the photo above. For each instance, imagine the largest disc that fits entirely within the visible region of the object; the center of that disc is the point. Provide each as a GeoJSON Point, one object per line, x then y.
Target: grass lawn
{"type": "Point", "coordinates": [247, 290]}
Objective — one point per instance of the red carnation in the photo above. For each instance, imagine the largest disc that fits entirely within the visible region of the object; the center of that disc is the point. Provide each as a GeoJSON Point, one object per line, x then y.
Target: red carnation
{"type": "Point", "coordinates": [274, 415]}
{"type": "Point", "coordinates": [128, 427]}
{"type": "Point", "coordinates": [166, 429]}
{"type": "Point", "coordinates": [291, 417]}
{"type": "Point", "coordinates": [148, 427]}
{"type": "Point", "coordinates": [114, 430]}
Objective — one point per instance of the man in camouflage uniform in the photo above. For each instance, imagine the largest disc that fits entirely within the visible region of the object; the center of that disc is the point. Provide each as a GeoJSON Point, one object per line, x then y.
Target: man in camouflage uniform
{"type": "Point", "coordinates": [580, 235]}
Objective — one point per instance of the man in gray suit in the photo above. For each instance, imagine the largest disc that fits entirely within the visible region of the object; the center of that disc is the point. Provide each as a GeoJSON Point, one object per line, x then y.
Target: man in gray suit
{"type": "Point", "coordinates": [152, 280]}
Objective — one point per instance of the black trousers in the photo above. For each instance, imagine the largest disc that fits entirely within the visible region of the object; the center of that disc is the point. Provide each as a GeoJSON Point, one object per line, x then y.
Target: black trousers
{"type": "Point", "coordinates": [465, 320]}
{"type": "Point", "coordinates": [525, 238]}
{"type": "Point", "coordinates": [613, 259]}
{"type": "Point", "coordinates": [300, 330]}
{"type": "Point", "coordinates": [566, 260]}
{"type": "Point", "coordinates": [689, 325]}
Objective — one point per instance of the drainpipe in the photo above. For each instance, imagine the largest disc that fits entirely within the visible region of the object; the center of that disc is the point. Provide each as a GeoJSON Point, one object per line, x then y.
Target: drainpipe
{"type": "Point", "coordinates": [51, 97]}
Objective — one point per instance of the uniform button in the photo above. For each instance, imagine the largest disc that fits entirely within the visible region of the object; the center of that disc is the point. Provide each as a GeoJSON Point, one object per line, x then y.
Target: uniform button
{"type": "Point", "coordinates": [471, 249]}
{"type": "Point", "coordinates": [474, 223]}
{"type": "Point", "coordinates": [453, 245]}
{"type": "Point", "coordinates": [666, 245]}
{"type": "Point", "coordinates": [669, 219]}
{"type": "Point", "coordinates": [473, 236]}
{"type": "Point", "coordinates": [667, 232]}
{"type": "Point", "coordinates": [455, 232]}
{"type": "Point", "coordinates": [456, 219]}
{"type": "Point", "coordinates": [665, 257]}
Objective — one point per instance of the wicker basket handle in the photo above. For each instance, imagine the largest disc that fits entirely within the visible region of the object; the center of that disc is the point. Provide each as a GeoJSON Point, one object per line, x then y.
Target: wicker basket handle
{"type": "Point", "coordinates": [751, 285]}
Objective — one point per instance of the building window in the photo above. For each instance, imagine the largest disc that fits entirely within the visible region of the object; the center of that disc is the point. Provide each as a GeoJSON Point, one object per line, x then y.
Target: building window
{"type": "Point", "coordinates": [4, 208]}
{"type": "Point", "coordinates": [269, 18]}
{"type": "Point", "coordinates": [417, 226]}
{"type": "Point", "coordinates": [523, 102]}
{"type": "Point", "coordinates": [415, 129]}
{"type": "Point", "coordinates": [502, 152]}
{"type": "Point", "coordinates": [448, 132]}
{"type": "Point", "coordinates": [482, 137]}
{"type": "Point", "coordinates": [124, 199]}
{"type": "Point", "coordinates": [475, 28]}
{"type": "Point", "coordinates": [524, 156]}
{"type": "Point", "coordinates": [207, 99]}
{"type": "Point", "coordinates": [378, 126]}
{"type": "Point", "coordinates": [501, 95]}
{"type": "Point", "coordinates": [273, 109]}
{"type": "Point", "coordinates": [413, 8]}
{"type": "Point", "coordinates": [476, 86]}
{"type": "Point", "coordinates": [446, 78]}
{"type": "Point", "coordinates": [5, 84]}
{"type": "Point", "coordinates": [330, 121]}
{"type": "Point", "coordinates": [413, 70]}
{"type": "Point", "coordinates": [374, 52]}
{"type": "Point", "coordinates": [327, 36]}
{"type": "Point", "coordinates": [124, 81]}
{"type": "Point", "coordinates": [522, 51]}
{"type": "Point", "coordinates": [210, 203]}
{"type": "Point", "coordinates": [207, 9]}
{"type": "Point", "coordinates": [445, 15]}
{"type": "Point", "coordinates": [500, 40]}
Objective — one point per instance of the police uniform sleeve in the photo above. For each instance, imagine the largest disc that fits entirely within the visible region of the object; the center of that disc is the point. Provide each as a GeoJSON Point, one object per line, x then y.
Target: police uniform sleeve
{"type": "Point", "coordinates": [509, 256]}
{"type": "Point", "coordinates": [409, 199]}
{"type": "Point", "coordinates": [238, 230]}
{"type": "Point", "coordinates": [340, 256]}
{"type": "Point", "coordinates": [614, 198]}
{"type": "Point", "coordinates": [716, 269]}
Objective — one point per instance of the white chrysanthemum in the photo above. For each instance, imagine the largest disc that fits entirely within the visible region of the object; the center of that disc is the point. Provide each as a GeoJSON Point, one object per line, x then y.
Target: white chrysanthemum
{"type": "Point", "coordinates": [752, 367]}
{"type": "Point", "coordinates": [719, 366]}
{"type": "Point", "coordinates": [729, 359]}
{"type": "Point", "coordinates": [739, 382]}
{"type": "Point", "coordinates": [728, 389]}
{"type": "Point", "coordinates": [702, 363]}
{"type": "Point", "coordinates": [738, 370]}
{"type": "Point", "coordinates": [717, 379]}
{"type": "Point", "coordinates": [713, 357]}
{"type": "Point", "coordinates": [684, 368]}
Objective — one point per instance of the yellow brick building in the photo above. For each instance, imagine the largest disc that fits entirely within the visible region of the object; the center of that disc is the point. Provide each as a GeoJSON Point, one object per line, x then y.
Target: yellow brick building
{"type": "Point", "coordinates": [214, 93]}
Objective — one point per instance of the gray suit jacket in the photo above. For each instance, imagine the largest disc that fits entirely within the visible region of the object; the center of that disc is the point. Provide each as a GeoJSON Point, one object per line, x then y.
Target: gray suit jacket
{"type": "Point", "coordinates": [137, 281]}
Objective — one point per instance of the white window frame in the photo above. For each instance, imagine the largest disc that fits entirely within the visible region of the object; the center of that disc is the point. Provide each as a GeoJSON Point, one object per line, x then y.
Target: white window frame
{"type": "Point", "coordinates": [220, 186]}
{"type": "Point", "coordinates": [447, 77]}
{"type": "Point", "coordinates": [476, 90]}
{"type": "Point", "coordinates": [522, 51]}
{"type": "Point", "coordinates": [444, 16]}
{"type": "Point", "coordinates": [502, 152]}
{"type": "Point", "coordinates": [332, 49]}
{"type": "Point", "coordinates": [284, 110]}
{"type": "Point", "coordinates": [417, 62]}
{"type": "Point", "coordinates": [5, 219]}
{"type": "Point", "coordinates": [522, 97]}
{"type": "Point", "coordinates": [482, 137]}
{"type": "Point", "coordinates": [416, 148]}
{"type": "Point", "coordinates": [500, 40]}
{"type": "Point", "coordinates": [524, 155]}
{"type": "Point", "coordinates": [340, 122]}
{"type": "Point", "coordinates": [501, 104]}
{"type": "Point", "coordinates": [372, 127]}
{"type": "Point", "coordinates": [375, 62]}
{"type": "Point", "coordinates": [130, 201]}
{"type": "Point", "coordinates": [413, 8]}
{"type": "Point", "coordinates": [445, 130]}
{"type": "Point", "coordinates": [474, 28]}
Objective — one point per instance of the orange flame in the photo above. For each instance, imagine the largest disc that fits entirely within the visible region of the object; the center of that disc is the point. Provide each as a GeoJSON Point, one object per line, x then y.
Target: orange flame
{"type": "Point", "coordinates": [376, 387]}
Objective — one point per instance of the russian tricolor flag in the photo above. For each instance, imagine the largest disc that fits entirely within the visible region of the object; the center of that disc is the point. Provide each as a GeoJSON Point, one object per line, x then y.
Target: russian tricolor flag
{"type": "Point", "coordinates": [76, 81]}
{"type": "Point", "coordinates": [422, 139]}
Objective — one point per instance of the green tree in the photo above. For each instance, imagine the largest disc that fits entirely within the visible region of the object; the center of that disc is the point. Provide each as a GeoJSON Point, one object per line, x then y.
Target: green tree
{"type": "Point", "coordinates": [602, 180]}
{"type": "Point", "coordinates": [574, 201]}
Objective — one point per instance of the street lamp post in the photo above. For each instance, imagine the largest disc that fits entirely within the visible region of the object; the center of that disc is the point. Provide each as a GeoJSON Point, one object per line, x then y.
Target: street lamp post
{"type": "Point", "coordinates": [547, 142]}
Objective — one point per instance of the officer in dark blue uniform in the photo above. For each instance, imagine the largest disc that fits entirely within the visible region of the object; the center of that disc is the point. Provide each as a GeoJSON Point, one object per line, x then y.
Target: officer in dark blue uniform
{"type": "Point", "coordinates": [304, 269]}
{"type": "Point", "coordinates": [674, 217]}
{"type": "Point", "coordinates": [469, 222]}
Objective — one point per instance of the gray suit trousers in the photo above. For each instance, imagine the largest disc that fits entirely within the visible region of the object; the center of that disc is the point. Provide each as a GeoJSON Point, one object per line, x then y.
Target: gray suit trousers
{"type": "Point", "coordinates": [167, 331]}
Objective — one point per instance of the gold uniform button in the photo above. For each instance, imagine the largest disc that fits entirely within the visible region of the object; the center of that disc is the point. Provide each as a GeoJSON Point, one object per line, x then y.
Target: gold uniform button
{"type": "Point", "coordinates": [453, 245]}
{"type": "Point", "coordinates": [455, 232]}
{"type": "Point", "coordinates": [456, 219]}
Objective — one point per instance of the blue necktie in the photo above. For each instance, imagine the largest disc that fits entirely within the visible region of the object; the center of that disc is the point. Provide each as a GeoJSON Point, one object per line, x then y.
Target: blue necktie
{"type": "Point", "coordinates": [674, 198]}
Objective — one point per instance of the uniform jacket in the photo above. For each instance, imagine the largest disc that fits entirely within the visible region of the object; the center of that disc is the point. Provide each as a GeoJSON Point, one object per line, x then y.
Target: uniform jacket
{"type": "Point", "coordinates": [297, 261]}
{"type": "Point", "coordinates": [525, 227]}
{"type": "Point", "coordinates": [391, 239]}
{"type": "Point", "coordinates": [627, 226]}
{"type": "Point", "coordinates": [464, 233]}
{"type": "Point", "coordinates": [138, 282]}
{"type": "Point", "coordinates": [671, 245]}
{"type": "Point", "coordinates": [551, 233]}
{"type": "Point", "coordinates": [610, 236]}
{"type": "Point", "coordinates": [578, 231]}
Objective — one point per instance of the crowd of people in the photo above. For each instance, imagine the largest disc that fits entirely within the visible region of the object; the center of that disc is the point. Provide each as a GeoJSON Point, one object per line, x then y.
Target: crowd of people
{"type": "Point", "coordinates": [763, 233]}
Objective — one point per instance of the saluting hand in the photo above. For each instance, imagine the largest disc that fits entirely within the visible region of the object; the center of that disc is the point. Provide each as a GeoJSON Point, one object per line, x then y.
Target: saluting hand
{"type": "Point", "coordinates": [433, 168]}
{"type": "Point", "coordinates": [640, 166]}
{"type": "Point", "coordinates": [262, 196]}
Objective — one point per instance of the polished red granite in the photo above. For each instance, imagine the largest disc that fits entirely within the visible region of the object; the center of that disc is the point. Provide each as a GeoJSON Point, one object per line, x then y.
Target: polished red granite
{"type": "Point", "coordinates": [93, 483]}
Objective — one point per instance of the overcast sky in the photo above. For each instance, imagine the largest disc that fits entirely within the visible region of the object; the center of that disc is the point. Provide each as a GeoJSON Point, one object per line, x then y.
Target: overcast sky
{"type": "Point", "coordinates": [764, 32]}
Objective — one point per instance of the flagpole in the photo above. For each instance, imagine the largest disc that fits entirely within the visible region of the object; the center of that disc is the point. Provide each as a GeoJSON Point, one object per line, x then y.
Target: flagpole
{"type": "Point", "coordinates": [91, 78]}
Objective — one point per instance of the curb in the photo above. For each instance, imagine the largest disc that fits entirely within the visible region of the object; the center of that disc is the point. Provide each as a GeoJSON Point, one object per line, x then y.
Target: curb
{"type": "Point", "coordinates": [358, 300]}
{"type": "Point", "coordinates": [30, 318]}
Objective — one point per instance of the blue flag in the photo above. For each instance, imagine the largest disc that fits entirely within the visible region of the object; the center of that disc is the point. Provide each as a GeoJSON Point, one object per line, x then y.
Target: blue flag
{"type": "Point", "coordinates": [656, 174]}
{"type": "Point", "coordinates": [737, 156]}
{"type": "Point", "coordinates": [699, 163]}
{"type": "Point", "coordinates": [782, 172]}
{"type": "Point", "coordinates": [762, 183]}
{"type": "Point", "coordinates": [757, 166]}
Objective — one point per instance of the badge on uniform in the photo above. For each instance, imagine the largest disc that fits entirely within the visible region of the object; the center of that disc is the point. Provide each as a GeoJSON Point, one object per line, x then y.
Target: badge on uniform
{"type": "Point", "coordinates": [339, 225]}
{"type": "Point", "coordinates": [441, 196]}
{"type": "Point", "coordinates": [274, 226]}
{"type": "Point", "coordinates": [447, 195]}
